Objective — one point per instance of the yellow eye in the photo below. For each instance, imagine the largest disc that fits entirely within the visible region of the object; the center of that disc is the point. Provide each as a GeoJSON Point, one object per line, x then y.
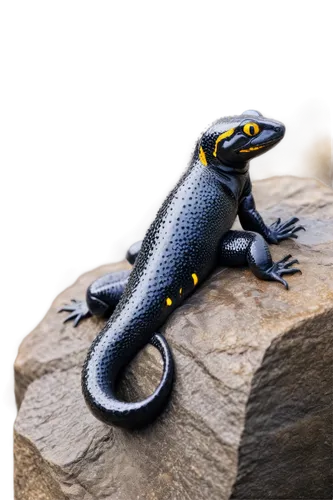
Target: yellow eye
{"type": "Point", "coordinates": [251, 129]}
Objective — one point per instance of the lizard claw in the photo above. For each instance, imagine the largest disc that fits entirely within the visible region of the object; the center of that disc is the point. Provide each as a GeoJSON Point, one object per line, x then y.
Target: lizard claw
{"type": "Point", "coordinates": [276, 223]}
{"type": "Point", "coordinates": [280, 268]}
{"type": "Point", "coordinates": [280, 231]}
{"type": "Point", "coordinates": [78, 309]}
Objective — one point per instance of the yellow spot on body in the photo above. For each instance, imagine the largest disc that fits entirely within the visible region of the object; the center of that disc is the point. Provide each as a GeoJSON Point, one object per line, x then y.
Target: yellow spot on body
{"type": "Point", "coordinates": [168, 301]}
{"type": "Point", "coordinates": [180, 291]}
{"type": "Point", "coordinates": [195, 278]}
{"type": "Point", "coordinates": [220, 138]}
{"type": "Point", "coordinates": [202, 157]}
{"type": "Point", "coordinates": [251, 149]}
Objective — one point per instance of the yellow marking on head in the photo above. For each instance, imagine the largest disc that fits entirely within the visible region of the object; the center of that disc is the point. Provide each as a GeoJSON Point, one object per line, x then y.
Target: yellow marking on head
{"type": "Point", "coordinates": [251, 149]}
{"type": "Point", "coordinates": [168, 301]}
{"type": "Point", "coordinates": [195, 278]}
{"type": "Point", "coordinates": [202, 157]}
{"type": "Point", "coordinates": [180, 291]}
{"type": "Point", "coordinates": [220, 138]}
{"type": "Point", "coordinates": [251, 129]}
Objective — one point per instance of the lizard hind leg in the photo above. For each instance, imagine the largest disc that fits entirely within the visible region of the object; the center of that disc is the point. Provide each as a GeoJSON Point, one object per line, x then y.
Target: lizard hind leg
{"type": "Point", "coordinates": [78, 310]}
{"type": "Point", "coordinates": [241, 248]}
{"type": "Point", "coordinates": [102, 296]}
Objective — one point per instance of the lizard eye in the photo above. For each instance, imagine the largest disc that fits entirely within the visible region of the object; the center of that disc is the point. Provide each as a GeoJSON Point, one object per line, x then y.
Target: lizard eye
{"type": "Point", "coordinates": [251, 129]}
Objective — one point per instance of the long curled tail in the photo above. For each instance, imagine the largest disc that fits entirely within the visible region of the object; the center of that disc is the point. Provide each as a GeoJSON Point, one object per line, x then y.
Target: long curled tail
{"type": "Point", "coordinates": [99, 376]}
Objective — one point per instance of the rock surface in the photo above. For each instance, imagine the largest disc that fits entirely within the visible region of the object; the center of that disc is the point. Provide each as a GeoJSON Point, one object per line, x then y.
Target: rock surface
{"type": "Point", "coordinates": [251, 411]}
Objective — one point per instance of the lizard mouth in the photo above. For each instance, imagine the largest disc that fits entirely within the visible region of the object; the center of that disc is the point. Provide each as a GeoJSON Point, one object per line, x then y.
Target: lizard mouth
{"type": "Point", "coordinates": [251, 149]}
{"type": "Point", "coordinates": [255, 148]}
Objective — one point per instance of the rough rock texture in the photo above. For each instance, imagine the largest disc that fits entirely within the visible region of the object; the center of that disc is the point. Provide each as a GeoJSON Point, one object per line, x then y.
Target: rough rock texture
{"type": "Point", "coordinates": [251, 412]}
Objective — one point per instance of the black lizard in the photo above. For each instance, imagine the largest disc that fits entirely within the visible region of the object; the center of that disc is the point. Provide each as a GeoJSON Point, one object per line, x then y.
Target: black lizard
{"type": "Point", "coordinates": [189, 237]}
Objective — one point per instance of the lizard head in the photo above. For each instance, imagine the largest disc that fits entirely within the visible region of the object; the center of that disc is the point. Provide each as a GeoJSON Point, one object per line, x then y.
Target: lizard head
{"type": "Point", "coordinates": [235, 140]}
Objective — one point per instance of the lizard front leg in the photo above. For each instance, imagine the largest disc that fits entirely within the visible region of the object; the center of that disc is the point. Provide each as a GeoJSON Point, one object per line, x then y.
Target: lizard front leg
{"type": "Point", "coordinates": [251, 220]}
{"type": "Point", "coordinates": [245, 248]}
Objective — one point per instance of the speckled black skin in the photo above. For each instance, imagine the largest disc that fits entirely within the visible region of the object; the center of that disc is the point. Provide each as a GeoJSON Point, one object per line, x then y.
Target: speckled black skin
{"type": "Point", "coordinates": [102, 295]}
{"type": "Point", "coordinates": [189, 237]}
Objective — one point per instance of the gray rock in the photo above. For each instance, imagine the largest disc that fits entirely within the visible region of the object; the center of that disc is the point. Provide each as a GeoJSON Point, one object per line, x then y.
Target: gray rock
{"type": "Point", "coordinates": [251, 411]}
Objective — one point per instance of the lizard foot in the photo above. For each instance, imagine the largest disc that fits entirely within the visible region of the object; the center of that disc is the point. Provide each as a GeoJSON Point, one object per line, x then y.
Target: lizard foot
{"type": "Point", "coordinates": [280, 231]}
{"type": "Point", "coordinates": [78, 309]}
{"type": "Point", "coordinates": [278, 269]}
